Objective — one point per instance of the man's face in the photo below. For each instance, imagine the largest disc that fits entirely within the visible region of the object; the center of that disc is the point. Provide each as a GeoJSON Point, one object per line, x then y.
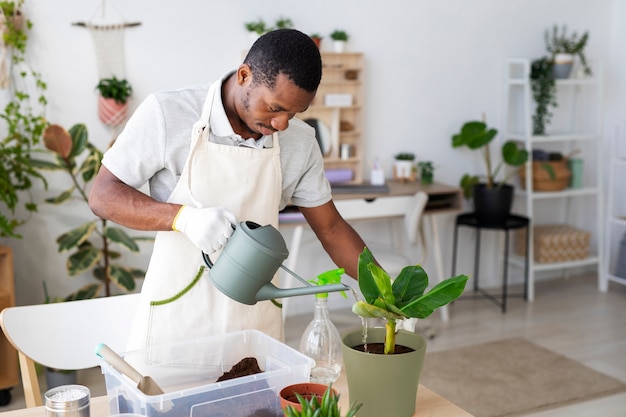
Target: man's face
{"type": "Point", "coordinates": [266, 111]}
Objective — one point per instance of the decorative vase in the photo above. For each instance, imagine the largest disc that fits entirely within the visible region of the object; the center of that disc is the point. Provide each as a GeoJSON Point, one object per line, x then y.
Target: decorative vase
{"type": "Point", "coordinates": [110, 112]}
{"type": "Point", "coordinates": [307, 390]}
{"type": "Point", "coordinates": [492, 205]}
{"type": "Point", "coordinates": [386, 385]}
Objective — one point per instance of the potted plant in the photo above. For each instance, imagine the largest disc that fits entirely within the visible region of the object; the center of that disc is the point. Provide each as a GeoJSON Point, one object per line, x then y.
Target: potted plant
{"type": "Point", "coordinates": [340, 38]}
{"type": "Point", "coordinates": [563, 47]}
{"type": "Point", "coordinates": [492, 197]}
{"type": "Point", "coordinates": [256, 27]}
{"type": "Point", "coordinates": [94, 242]}
{"type": "Point", "coordinates": [114, 94]}
{"type": "Point", "coordinates": [23, 121]}
{"type": "Point", "coordinates": [427, 171]}
{"type": "Point", "coordinates": [398, 367]}
{"type": "Point", "coordinates": [317, 38]}
{"type": "Point", "coordinates": [543, 88]}
{"type": "Point", "coordinates": [403, 167]}
{"type": "Point", "coordinates": [301, 400]}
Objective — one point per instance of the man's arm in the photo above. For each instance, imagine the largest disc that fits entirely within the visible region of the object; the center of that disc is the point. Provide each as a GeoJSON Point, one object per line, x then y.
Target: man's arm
{"type": "Point", "coordinates": [338, 238]}
{"type": "Point", "coordinates": [113, 200]}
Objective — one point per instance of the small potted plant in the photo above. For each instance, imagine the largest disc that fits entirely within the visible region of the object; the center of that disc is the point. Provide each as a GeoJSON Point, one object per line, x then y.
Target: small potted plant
{"type": "Point", "coordinates": [340, 38]}
{"type": "Point", "coordinates": [317, 38]}
{"type": "Point", "coordinates": [563, 47]}
{"type": "Point", "coordinates": [302, 400]}
{"type": "Point", "coordinates": [256, 28]}
{"type": "Point", "coordinates": [399, 364]}
{"type": "Point", "coordinates": [403, 167]}
{"type": "Point", "coordinates": [492, 197]}
{"type": "Point", "coordinates": [427, 171]}
{"type": "Point", "coordinates": [114, 94]}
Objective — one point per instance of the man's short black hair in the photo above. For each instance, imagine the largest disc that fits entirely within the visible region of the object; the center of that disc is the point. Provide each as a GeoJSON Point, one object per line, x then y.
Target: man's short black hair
{"type": "Point", "coordinates": [286, 51]}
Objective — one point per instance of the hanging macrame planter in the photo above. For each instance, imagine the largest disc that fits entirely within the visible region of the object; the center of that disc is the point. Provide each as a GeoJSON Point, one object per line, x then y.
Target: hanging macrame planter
{"type": "Point", "coordinates": [110, 112]}
{"type": "Point", "coordinates": [9, 24]}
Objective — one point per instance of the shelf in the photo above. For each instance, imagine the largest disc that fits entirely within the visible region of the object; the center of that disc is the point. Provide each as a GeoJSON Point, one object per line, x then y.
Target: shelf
{"type": "Point", "coordinates": [556, 266]}
{"type": "Point", "coordinates": [569, 192]}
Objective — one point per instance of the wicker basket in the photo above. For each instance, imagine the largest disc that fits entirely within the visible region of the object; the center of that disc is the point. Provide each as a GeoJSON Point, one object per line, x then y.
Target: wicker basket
{"type": "Point", "coordinates": [541, 178]}
{"type": "Point", "coordinates": [555, 243]}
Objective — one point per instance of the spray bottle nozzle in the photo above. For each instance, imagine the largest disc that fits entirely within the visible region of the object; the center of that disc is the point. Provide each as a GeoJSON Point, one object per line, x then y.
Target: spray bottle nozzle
{"type": "Point", "coordinates": [329, 277]}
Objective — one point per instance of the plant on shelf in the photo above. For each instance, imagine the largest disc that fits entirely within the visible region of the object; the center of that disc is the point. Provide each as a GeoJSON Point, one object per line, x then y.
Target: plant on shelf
{"type": "Point", "coordinates": [427, 171]}
{"type": "Point", "coordinates": [114, 94]}
{"type": "Point", "coordinates": [258, 26]}
{"type": "Point", "coordinates": [543, 88]}
{"type": "Point", "coordinates": [284, 23]}
{"type": "Point", "coordinates": [93, 243]}
{"type": "Point", "coordinates": [560, 42]}
{"type": "Point", "coordinates": [339, 35]}
{"type": "Point", "coordinates": [401, 298]}
{"type": "Point", "coordinates": [476, 135]}
{"type": "Point", "coordinates": [23, 120]}
{"type": "Point", "coordinates": [327, 406]}
{"type": "Point", "coordinates": [317, 38]}
{"type": "Point", "coordinates": [403, 167]}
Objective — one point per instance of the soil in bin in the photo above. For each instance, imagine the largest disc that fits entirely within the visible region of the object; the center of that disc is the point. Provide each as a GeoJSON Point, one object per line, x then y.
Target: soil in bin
{"type": "Point", "coordinates": [245, 367]}
{"type": "Point", "coordinates": [379, 349]}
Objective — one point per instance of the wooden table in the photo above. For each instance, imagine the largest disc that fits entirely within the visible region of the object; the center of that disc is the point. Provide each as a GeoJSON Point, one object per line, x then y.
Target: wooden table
{"type": "Point", "coordinates": [428, 404]}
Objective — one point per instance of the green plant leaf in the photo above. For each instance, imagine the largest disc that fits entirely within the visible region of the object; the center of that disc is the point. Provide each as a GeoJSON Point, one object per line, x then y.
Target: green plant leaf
{"type": "Point", "coordinates": [122, 277]}
{"type": "Point", "coordinates": [87, 292]}
{"type": "Point", "coordinates": [363, 309]}
{"type": "Point", "coordinates": [382, 282]}
{"type": "Point", "coordinates": [119, 236]}
{"type": "Point", "coordinates": [75, 236]}
{"type": "Point", "coordinates": [64, 196]}
{"type": "Point", "coordinates": [440, 295]}
{"type": "Point", "coordinates": [513, 155]}
{"type": "Point", "coordinates": [46, 165]}
{"type": "Point", "coordinates": [80, 138]}
{"type": "Point", "coordinates": [83, 259]}
{"type": "Point", "coordinates": [410, 283]}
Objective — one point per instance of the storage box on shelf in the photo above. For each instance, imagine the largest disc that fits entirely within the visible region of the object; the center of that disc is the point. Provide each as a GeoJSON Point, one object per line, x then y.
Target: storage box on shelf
{"type": "Point", "coordinates": [339, 105]}
{"type": "Point", "coordinates": [187, 373]}
{"type": "Point", "coordinates": [555, 243]}
{"type": "Point", "coordinates": [575, 128]}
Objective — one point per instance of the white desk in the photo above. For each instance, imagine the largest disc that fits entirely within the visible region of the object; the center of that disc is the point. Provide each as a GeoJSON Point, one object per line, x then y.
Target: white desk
{"type": "Point", "coordinates": [370, 206]}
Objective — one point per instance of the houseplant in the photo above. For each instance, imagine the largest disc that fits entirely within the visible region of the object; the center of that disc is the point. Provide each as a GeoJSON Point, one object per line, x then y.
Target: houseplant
{"type": "Point", "coordinates": [93, 243]}
{"type": "Point", "coordinates": [403, 166]}
{"type": "Point", "coordinates": [317, 38]}
{"type": "Point", "coordinates": [543, 88]}
{"type": "Point", "coordinates": [23, 121]}
{"type": "Point", "coordinates": [114, 94]}
{"type": "Point", "coordinates": [492, 197]}
{"type": "Point", "coordinates": [427, 171]}
{"type": "Point", "coordinates": [563, 47]}
{"type": "Point", "coordinates": [327, 401]}
{"type": "Point", "coordinates": [397, 374]}
{"type": "Point", "coordinates": [339, 37]}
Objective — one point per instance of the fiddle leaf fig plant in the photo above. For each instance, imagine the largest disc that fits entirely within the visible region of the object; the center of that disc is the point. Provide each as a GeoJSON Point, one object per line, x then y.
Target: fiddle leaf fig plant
{"type": "Point", "coordinates": [93, 244]}
{"type": "Point", "coordinates": [402, 298]}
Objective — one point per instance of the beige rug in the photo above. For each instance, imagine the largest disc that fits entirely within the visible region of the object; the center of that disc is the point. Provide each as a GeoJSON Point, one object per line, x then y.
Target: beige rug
{"type": "Point", "coordinates": [512, 377]}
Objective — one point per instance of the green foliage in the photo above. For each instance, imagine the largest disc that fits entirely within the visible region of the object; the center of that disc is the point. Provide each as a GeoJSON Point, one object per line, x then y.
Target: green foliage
{"type": "Point", "coordinates": [119, 90]}
{"type": "Point", "coordinates": [23, 123]}
{"type": "Point", "coordinates": [559, 42]}
{"type": "Point", "coordinates": [405, 156]}
{"type": "Point", "coordinates": [403, 297]}
{"type": "Point", "coordinates": [543, 88]}
{"type": "Point", "coordinates": [476, 135]}
{"type": "Point", "coordinates": [329, 406]}
{"type": "Point", "coordinates": [260, 27]}
{"type": "Point", "coordinates": [91, 244]}
{"type": "Point", "coordinates": [339, 35]}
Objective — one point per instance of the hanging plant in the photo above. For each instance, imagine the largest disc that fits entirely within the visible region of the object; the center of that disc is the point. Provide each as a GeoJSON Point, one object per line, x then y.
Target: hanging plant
{"type": "Point", "coordinates": [543, 88]}
{"type": "Point", "coordinates": [22, 120]}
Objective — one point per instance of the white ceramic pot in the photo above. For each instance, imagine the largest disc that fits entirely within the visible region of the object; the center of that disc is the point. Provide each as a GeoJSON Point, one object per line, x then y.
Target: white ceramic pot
{"type": "Point", "coordinates": [339, 46]}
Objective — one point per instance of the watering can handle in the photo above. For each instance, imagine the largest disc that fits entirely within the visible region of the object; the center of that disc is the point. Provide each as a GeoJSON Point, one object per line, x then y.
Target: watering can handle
{"type": "Point", "coordinates": [205, 256]}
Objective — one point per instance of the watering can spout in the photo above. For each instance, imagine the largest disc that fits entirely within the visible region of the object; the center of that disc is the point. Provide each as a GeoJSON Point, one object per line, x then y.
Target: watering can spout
{"type": "Point", "coordinates": [269, 291]}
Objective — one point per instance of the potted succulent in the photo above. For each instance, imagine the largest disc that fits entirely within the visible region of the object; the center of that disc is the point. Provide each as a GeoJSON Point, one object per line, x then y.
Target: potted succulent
{"type": "Point", "coordinates": [93, 244]}
{"type": "Point", "coordinates": [403, 167]}
{"type": "Point", "coordinates": [24, 120]}
{"type": "Point", "coordinates": [114, 94]}
{"type": "Point", "coordinates": [309, 399]}
{"type": "Point", "coordinates": [492, 197]}
{"type": "Point", "coordinates": [398, 366]}
{"type": "Point", "coordinates": [563, 47]}
{"type": "Point", "coordinates": [340, 38]}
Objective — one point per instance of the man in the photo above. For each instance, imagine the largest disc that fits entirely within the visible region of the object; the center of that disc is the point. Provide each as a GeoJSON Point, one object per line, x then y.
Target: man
{"type": "Point", "coordinates": [247, 158]}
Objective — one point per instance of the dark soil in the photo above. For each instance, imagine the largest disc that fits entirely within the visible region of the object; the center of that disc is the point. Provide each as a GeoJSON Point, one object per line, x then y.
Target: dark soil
{"type": "Point", "coordinates": [379, 349]}
{"type": "Point", "coordinates": [245, 367]}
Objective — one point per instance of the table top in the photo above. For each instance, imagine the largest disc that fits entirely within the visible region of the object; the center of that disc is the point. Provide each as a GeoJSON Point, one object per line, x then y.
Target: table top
{"type": "Point", "coordinates": [428, 403]}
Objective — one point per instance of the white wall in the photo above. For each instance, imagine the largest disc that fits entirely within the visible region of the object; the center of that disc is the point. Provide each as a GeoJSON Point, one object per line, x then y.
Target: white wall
{"type": "Point", "coordinates": [431, 65]}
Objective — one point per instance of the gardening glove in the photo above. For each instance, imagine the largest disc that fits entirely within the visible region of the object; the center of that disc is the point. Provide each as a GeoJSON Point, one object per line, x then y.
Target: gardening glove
{"type": "Point", "coordinates": [208, 228]}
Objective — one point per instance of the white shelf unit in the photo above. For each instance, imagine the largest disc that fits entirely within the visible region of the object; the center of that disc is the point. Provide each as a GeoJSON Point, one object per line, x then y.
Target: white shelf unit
{"type": "Point", "coordinates": [575, 125]}
{"type": "Point", "coordinates": [616, 209]}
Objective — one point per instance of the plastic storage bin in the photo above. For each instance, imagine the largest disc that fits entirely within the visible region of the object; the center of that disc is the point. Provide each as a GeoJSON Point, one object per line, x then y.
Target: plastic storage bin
{"type": "Point", "coordinates": [187, 372]}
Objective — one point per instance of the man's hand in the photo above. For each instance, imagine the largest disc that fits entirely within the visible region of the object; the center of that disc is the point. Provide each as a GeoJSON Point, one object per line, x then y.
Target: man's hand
{"type": "Point", "coordinates": [208, 228]}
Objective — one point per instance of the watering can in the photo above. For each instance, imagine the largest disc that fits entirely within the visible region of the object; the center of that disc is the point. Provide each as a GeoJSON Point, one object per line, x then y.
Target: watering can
{"type": "Point", "coordinates": [248, 262]}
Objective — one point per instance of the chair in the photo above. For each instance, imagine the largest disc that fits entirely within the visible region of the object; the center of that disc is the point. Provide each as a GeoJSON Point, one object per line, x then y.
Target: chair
{"type": "Point", "coordinates": [393, 259]}
{"type": "Point", "coordinates": [64, 335]}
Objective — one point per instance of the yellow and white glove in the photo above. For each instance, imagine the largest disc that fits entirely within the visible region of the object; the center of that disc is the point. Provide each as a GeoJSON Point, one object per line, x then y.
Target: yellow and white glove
{"type": "Point", "coordinates": [208, 228]}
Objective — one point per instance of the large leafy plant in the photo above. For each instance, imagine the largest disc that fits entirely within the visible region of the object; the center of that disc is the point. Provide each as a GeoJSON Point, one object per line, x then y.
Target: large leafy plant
{"type": "Point", "coordinates": [93, 245]}
{"type": "Point", "coordinates": [402, 298]}
{"type": "Point", "coordinates": [476, 135]}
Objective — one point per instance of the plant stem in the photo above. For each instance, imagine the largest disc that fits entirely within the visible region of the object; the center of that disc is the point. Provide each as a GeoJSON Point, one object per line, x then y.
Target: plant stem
{"type": "Point", "coordinates": [390, 336]}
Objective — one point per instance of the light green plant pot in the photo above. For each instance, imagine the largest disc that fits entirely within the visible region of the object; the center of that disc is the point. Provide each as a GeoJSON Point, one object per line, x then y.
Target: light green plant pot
{"type": "Point", "coordinates": [386, 385]}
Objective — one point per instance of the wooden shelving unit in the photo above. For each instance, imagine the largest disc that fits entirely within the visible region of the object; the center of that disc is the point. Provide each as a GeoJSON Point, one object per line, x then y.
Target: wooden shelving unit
{"type": "Point", "coordinates": [9, 370]}
{"type": "Point", "coordinates": [342, 74]}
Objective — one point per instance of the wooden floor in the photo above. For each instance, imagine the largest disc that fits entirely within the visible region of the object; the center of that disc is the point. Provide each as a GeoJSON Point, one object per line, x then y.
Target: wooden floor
{"type": "Point", "coordinates": [568, 316]}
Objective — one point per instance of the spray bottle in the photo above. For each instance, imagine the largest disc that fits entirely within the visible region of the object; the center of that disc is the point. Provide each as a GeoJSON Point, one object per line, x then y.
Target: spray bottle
{"type": "Point", "coordinates": [321, 340]}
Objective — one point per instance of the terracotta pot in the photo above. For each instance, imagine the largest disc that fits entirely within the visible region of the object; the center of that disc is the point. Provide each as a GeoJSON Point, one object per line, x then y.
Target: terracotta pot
{"type": "Point", "coordinates": [305, 389]}
{"type": "Point", "coordinates": [110, 112]}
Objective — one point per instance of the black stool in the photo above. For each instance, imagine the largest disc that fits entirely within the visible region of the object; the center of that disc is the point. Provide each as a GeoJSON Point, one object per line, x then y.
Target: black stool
{"type": "Point", "coordinates": [513, 222]}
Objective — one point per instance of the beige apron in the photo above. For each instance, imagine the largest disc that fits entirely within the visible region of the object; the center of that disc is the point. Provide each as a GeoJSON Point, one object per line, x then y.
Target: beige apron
{"type": "Point", "coordinates": [178, 301]}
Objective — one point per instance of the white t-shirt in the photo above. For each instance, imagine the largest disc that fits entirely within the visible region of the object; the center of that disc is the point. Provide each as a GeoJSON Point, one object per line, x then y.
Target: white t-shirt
{"type": "Point", "coordinates": [154, 145]}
